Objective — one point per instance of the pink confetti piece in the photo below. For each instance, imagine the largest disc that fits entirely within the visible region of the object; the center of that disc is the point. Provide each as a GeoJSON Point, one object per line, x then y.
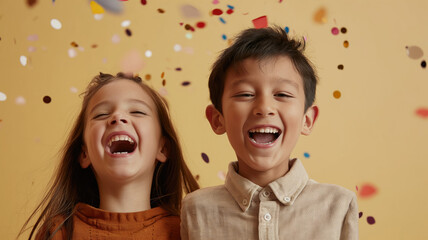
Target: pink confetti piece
{"type": "Point", "coordinates": [335, 31]}
{"type": "Point", "coordinates": [189, 11]}
{"type": "Point", "coordinates": [33, 37]}
{"type": "Point", "coordinates": [260, 22]}
{"type": "Point", "coordinates": [367, 190]}
{"type": "Point", "coordinates": [20, 100]}
{"type": "Point", "coordinates": [221, 175]}
{"type": "Point", "coordinates": [422, 112]}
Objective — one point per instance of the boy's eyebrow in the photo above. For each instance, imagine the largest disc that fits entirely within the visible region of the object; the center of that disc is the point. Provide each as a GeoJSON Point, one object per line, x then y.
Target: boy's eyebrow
{"type": "Point", "coordinates": [288, 81]}
{"type": "Point", "coordinates": [132, 100]}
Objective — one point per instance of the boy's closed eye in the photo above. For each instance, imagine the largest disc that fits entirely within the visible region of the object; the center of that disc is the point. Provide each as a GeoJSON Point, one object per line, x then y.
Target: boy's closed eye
{"type": "Point", "coordinates": [283, 94]}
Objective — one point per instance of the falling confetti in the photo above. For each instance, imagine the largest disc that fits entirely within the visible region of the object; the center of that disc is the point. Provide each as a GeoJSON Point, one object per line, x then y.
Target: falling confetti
{"type": "Point", "coordinates": [96, 8]}
{"type": "Point", "coordinates": [33, 37]}
{"type": "Point", "coordinates": [115, 38]}
{"type": "Point", "coordinates": [371, 220]}
{"type": "Point", "coordinates": [200, 24]}
{"type": "Point", "coordinates": [360, 214]}
{"type": "Point", "coordinates": [230, 7]}
{"type": "Point", "coordinates": [3, 97]}
{"type": "Point", "coordinates": [189, 27]}
{"type": "Point", "coordinates": [74, 44]}
{"type": "Point", "coordinates": [221, 175]}
{"type": "Point", "coordinates": [20, 100]}
{"type": "Point", "coordinates": [224, 37]}
{"type": "Point", "coordinates": [56, 24]}
{"type": "Point", "coordinates": [205, 157]}
{"type": "Point", "coordinates": [160, 10]}
{"type": "Point", "coordinates": [23, 60]}
{"type": "Point", "coordinates": [132, 62]}
{"type": "Point", "coordinates": [196, 177]}
{"type": "Point", "coordinates": [422, 112]}
{"type": "Point", "coordinates": [189, 11]}
{"type": "Point", "coordinates": [47, 99]}
{"type": "Point", "coordinates": [423, 64]}
{"type": "Point", "coordinates": [367, 190]}
{"type": "Point", "coordinates": [217, 12]}
{"type": "Point", "coordinates": [177, 47]}
{"type": "Point", "coordinates": [306, 155]}
{"type": "Point", "coordinates": [73, 90]}
{"type": "Point", "coordinates": [94, 46]}
{"type": "Point", "coordinates": [162, 74]}
{"type": "Point", "coordinates": [148, 77]}
{"type": "Point", "coordinates": [343, 30]}
{"type": "Point", "coordinates": [125, 23]}
{"type": "Point", "coordinates": [31, 49]}
{"type": "Point", "coordinates": [287, 29]}
{"type": "Point", "coordinates": [337, 94]}
{"type": "Point", "coordinates": [185, 83]}
{"type": "Point", "coordinates": [346, 44]}
{"type": "Point", "coordinates": [260, 22]}
{"type": "Point", "coordinates": [414, 52]}
{"type": "Point", "coordinates": [72, 53]}
{"type": "Point", "coordinates": [229, 11]}
{"type": "Point", "coordinates": [163, 82]}
{"type": "Point", "coordinates": [128, 32]}
{"type": "Point", "coordinates": [335, 31]}
{"type": "Point", "coordinates": [144, 2]}
{"type": "Point", "coordinates": [189, 35]}
{"type": "Point", "coordinates": [178, 69]}
{"type": "Point", "coordinates": [222, 20]}
{"type": "Point", "coordinates": [320, 15]}
{"type": "Point", "coordinates": [216, 1]}
{"type": "Point", "coordinates": [31, 3]}
{"type": "Point", "coordinates": [340, 67]}
{"type": "Point", "coordinates": [163, 92]}
{"type": "Point", "coordinates": [98, 17]}
{"type": "Point", "coordinates": [148, 53]}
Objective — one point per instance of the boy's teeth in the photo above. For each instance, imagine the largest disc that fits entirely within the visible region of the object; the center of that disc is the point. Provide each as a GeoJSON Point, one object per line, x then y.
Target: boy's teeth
{"type": "Point", "coordinates": [264, 130]}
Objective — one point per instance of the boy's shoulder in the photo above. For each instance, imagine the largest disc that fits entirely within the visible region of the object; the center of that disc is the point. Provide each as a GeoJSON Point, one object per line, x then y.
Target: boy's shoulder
{"type": "Point", "coordinates": [328, 191]}
{"type": "Point", "coordinates": [207, 196]}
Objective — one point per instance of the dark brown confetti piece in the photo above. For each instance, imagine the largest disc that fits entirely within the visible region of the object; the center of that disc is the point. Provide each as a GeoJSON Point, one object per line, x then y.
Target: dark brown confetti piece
{"type": "Point", "coordinates": [128, 32]}
{"type": "Point", "coordinates": [178, 69]}
{"type": "Point", "coordinates": [74, 44]}
{"type": "Point", "coordinates": [189, 27]}
{"type": "Point", "coordinates": [160, 10]}
{"type": "Point", "coordinates": [205, 157]}
{"type": "Point", "coordinates": [31, 3]}
{"type": "Point", "coordinates": [163, 82]}
{"type": "Point", "coordinates": [346, 44]}
{"type": "Point", "coordinates": [197, 177]}
{"type": "Point", "coordinates": [148, 77]}
{"type": "Point", "coordinates": [94, 46]}
{"type": "Point", "coordinates": [47, 99]}
{"type": "Point", "coordinates": [162, 74]}
{"type": "Point", "coordinates": [340, 67]}
{"type": "Point", "coordinates": [371, 220]}
{"type": "Point", "coordinates": [185, 83]}
{"type": "Point", "coordinates": [360, 214]}
{"type": "Point", "coordinates": [423, 64]}
{"type": "Point", "coordinates": [343, 30]}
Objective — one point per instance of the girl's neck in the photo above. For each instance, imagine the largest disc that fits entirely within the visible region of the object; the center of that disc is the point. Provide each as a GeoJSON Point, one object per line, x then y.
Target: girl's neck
{"type": "Point", "coordinates": [131, 197]}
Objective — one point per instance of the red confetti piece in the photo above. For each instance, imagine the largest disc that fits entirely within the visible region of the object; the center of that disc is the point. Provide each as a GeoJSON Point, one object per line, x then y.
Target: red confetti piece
{"type": "Point", "coordinates": [230, 11]}
{"type": "Point", "coordinates": [205, 157]}
{"type": "Point", "coordinates": [422, 112]}
{"type": "Point", "coordinates": [217, 12]}
{"type": "Point", "coordinates": [200, 24]}
{"type": "Point", "coordinates": [367, 190]}
{"type": "Point", "coordinates": [371, 220]}
{"type": "Point", "coordinates": [260, 22]}
{"type": "Point", "coordinates": [356, 187]}
{"type": "Point", "coordinates": [144, 2]}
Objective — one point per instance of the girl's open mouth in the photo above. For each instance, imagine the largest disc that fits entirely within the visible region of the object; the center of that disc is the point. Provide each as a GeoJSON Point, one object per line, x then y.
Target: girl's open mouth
{"type": "Point", "coordinates": [264, 136]}
{"type": "Point", "coordinates": [121, 144]}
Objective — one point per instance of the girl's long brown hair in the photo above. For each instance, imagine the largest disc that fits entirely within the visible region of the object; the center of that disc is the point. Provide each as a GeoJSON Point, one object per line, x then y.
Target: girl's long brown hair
{"type": "Point", "coordinates": [72, 184]}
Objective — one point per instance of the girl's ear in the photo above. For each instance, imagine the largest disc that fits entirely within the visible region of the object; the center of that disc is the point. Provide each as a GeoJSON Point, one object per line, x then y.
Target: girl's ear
{"type": "Point", "coordinates": [216, 119]}
{"type": "Point", "coordinates": [162, 154]}
{"type": "Point", "coordinates": [310, 117]}
{"type": "Point", "coordinates": [84, 158]}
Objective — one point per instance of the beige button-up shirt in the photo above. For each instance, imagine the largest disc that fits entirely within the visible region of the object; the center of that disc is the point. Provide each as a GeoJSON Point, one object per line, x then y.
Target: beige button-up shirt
{"type": "Point", "coordinates": [292, 207]}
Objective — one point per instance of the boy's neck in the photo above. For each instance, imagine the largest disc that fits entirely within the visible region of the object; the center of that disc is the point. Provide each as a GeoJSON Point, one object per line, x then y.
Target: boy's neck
{"type": "Point", "coordinates": [263, 177]}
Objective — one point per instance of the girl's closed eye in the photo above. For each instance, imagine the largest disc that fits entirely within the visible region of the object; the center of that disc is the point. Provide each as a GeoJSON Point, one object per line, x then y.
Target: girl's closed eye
{"type": "Point", "coordinates": [100, 115]}
{"type": "Point", "coordinates": [138, 112]}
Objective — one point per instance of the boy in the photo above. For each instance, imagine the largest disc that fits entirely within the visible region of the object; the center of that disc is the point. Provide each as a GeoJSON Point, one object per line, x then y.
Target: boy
{"type": "Point", "coordinates": [263, 89]}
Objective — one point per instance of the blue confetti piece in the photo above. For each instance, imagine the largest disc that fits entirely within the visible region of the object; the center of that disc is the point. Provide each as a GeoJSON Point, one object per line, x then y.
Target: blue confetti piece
{"type": "Point", "coordinates": [306, 155]}
{"type": "Point", "coordinates": [222, 20]}
{"type": "Point", "coordinates": [287, 29]}
{"type": "Point", "coordinates": [230, 7]}
{"type": "Point", "coordinates": [224, 36]}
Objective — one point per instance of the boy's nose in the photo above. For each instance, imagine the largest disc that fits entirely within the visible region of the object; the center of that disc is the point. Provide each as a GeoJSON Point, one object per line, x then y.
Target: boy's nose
{"type": "Point", "coordinates": [264, 107]}
{"type": "Point", "coordinates": [117, 119]}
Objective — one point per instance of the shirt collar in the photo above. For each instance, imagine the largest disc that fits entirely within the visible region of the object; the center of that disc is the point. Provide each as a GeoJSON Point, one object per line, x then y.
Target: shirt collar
{"type": "Point", "coordinates": [286, 188]}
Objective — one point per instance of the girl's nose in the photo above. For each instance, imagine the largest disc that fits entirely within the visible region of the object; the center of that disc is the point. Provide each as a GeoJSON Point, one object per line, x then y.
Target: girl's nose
{"type": "Point", "coordinates": [118, 119]}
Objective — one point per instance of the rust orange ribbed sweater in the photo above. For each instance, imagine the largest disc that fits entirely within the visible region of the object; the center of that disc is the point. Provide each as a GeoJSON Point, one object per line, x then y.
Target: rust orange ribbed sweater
{"type": "Point", "coordinates": [92, 223]}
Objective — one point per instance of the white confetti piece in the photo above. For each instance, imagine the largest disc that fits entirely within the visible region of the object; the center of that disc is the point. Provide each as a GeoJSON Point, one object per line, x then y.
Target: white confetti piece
{"type": "Point", "coordinates": [56, 24]}
{"type": "Point", "coordinates": [125, 23]}
{"type": "Point", "coordinates": [177, 47]}
{"type": "Point", "coordinates": [148, 53]}
{"type": "Point", "coordinates": [3, 97]}
{"type": "Point", "coordinates": [23, 60]}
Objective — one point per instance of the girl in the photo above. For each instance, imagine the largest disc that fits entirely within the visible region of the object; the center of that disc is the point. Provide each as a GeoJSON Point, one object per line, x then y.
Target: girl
{"type": "Point", "coordinates": [122, 172]}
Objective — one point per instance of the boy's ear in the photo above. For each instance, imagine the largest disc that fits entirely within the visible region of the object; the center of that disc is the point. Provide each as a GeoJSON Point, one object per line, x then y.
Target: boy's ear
{"type": "Point", "coordinates": [84, 158]}
{"type": "Point", "coordinates": [162, 154]}
{"type": "Point", "coordinates": [216, 119]}
{"type": "Point", "coordinates": [310, 117]}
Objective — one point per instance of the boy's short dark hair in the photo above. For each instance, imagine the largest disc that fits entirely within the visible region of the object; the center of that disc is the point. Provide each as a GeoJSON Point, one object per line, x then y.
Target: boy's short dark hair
{"type": "Point", "coordinates": [262, 44]}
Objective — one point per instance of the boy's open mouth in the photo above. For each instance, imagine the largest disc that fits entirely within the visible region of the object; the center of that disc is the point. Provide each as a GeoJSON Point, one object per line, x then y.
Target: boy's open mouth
{"type": "Point", "coordinates": [121, 144]}
{"type": "Point", "coordinates": [264, 136]}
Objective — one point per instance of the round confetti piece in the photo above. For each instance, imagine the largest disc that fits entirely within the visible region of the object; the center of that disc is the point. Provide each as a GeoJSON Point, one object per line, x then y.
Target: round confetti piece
{"type": "Point", "coordinates": [216, 1]}
{"type": "Point", "coordinates": [306, 155]}
{"type": "Point", "coordinates": [217, 12]}
{"type": "Point", "coordinates": [343, 30]}
{"type": "Point", "coordinates": [160, 10]}
{"type": "Point", "coordinates": [177, 47]}
{"type": "Point", "coordinates": [73, 90]}
{"type": "Point", "coordinates": [197, 177]}
{"type": "Point", "coordinates": [320, 15]}
{"type": "Point", "coordinates": [371, 220]}
{"type": "Point", "coordinates": [148, 77]}
{"type": "Point", "coordinates": [33, 38]}
{"type": "Point", "coordinates": [56, 24]}
{"type": "Point", "coordinates": [185, 83]}
{"type": "Point", "coordinates": [229, 11]}
{"type": "Point", "coordinates": [23, 60]}
{"type": "Point", "coordinates": [189, 35]}
{"type": "Point", "coordinates": [340, 67]}
{"type": "Point", "coordinates": [189, 11]}
{"type": "Point", "coordinates": [115, 38]}
{"type": "Point", "coordinates": [31, 3]}
{"type": "Point", "coordinates": [128, 32]}
{"type": "Point", "coordinates": [31, 49]}
{"type": "Point", "coordinates": [47, 99]}
{"type": "Point", "coordinates": [335, 31]}
{"type": "Point", "coordinates": [98, 17]}
{"type": "Point", "coordinates": [148, 53]}
{"type": "Point", "coordinates": [422, 112]}
{"type": "Point", "coordinates": [337, 94]}
{"type": "Point", "coordinates": [414, 52]}
{"type": "Point", "coordinates": [221, 175]}
{"type": "Point", "coordinates": [224, 37]}
{"type": "Point", "coordinates": [287, 29]}
{"type": "Point", "coordinates": [205, 157]}
{"type": "Point", "coordinates": [367, 190]}
{"type": "Point", "coordinates": [200, 24]}
{"type": "Point", "coordinates": [20, 100]}
{"type": "Point", "coordinates": [346, 44]}
{"type": "Point", "coordinates": [3, 97]}
{"type": "Point", "coordinates": [144, 2]}
{"type": "Point", "coordinates": [423, 64]}
{"type": "Point", "coordinates": [125, 23]}
{"type": "Point", "coordinates": [189, 27]}
{"type": "Point", "coordinates": [163, 82]}
{"type": "Point", "coordinates": [72, 53]}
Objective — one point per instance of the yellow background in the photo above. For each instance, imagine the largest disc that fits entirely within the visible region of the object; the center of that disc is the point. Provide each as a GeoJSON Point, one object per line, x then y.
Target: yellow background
{"type": "Point", "coordinates": [371, 134]}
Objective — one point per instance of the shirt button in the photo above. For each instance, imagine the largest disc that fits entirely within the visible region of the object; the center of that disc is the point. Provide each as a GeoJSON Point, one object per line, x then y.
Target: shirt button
{"type": "Point", "coordinates": [287, 199]}
{"type": "Point", "coordinates": [245, 202]}
{"type": "Point", "coordinates": [266, 193]}
{"type": "Point", "coordinates": [267, 217]}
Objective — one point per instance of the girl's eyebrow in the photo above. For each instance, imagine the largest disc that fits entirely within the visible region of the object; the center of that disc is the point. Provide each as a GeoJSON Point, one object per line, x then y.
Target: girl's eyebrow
{"type": "Point", "coordinates": [132, 100]}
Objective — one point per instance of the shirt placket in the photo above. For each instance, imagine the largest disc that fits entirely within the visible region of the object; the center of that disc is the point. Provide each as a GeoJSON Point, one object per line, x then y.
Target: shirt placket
{"type": "Point", "coordinates": [268, 216]}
